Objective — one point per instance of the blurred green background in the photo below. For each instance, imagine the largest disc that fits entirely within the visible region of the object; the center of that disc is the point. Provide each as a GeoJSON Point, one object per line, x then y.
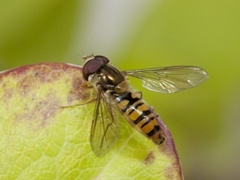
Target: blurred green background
{"type": "Point", "coordinates": [204, 121]}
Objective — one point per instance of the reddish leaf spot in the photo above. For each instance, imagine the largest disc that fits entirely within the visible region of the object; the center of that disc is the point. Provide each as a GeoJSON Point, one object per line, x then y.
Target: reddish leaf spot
{"type": "Point", "coordinates": [28, 81]}
{"type": "Point", "coordinates": [150, 158]}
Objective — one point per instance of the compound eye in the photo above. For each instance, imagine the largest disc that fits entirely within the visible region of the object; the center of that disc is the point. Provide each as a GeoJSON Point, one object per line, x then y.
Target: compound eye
{"type": "Point", "coordinates": [102, 59]}
{"type": "Point", "coordinates": [93, 65]}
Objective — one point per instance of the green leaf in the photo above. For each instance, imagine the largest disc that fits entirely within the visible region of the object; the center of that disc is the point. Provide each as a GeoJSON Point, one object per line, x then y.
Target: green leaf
{"type": "Point", "coordinates": [45, 118]}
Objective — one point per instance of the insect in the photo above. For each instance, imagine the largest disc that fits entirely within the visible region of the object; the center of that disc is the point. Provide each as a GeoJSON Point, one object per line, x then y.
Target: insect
{"type": "Point", "coordinates": [115, 98]}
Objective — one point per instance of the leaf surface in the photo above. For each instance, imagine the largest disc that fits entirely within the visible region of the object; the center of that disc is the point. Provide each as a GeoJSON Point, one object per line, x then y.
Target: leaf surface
{"type": "Point", "coordinates": [45, 119]}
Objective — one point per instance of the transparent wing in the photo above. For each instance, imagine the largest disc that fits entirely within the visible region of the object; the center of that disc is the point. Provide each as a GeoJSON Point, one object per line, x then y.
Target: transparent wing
{"type": "Point", "coordinates": [105, 125]}
{"type": "Point", "coordinates": [170, 79]}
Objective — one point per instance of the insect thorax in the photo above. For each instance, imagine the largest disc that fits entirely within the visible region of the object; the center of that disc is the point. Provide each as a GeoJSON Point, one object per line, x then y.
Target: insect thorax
{"type": "Point", "coordinates": [109, 78]}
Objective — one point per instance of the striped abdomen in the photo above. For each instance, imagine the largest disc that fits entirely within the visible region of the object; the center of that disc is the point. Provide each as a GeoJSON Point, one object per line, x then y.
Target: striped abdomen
{"type": "Point", "coordinates": [139, 115]}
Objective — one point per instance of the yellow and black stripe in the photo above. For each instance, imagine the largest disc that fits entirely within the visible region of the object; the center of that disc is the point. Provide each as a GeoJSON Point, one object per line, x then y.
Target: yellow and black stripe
{"type": "Point", "coordinates": [139, 114]}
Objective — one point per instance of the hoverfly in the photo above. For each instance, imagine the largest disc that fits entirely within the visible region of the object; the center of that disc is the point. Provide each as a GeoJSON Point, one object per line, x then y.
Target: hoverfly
{"type": "Point", "coordinates": [115, 98]}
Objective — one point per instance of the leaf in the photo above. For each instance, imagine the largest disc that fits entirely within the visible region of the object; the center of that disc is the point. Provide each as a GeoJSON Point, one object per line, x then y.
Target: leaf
{"type": "Point", "coordinates": [45, 118]}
